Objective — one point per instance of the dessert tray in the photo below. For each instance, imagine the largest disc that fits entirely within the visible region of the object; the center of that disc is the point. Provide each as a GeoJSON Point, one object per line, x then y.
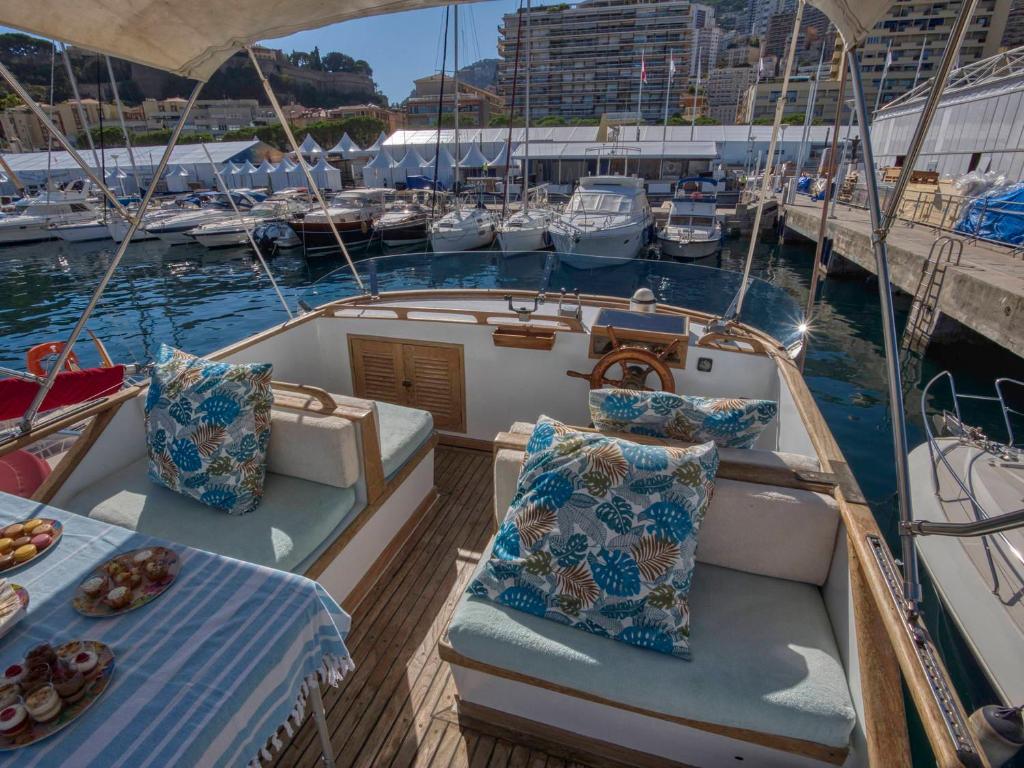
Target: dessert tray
{"type": "Point", "coordinates": [23, 542]}
{"type": "Point", "coordinates": [26, 714]}
{"type": "Point", "coordinates": [13, 605]}
{"type": "Point", "coordinates": [126, 582]}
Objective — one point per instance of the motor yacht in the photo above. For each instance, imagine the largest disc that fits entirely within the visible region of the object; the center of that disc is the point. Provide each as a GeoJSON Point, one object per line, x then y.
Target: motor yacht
{"type": "Point", "coordinates": [81, 232]}
{"type": "Point", "coordinates": [692, 230]}
{"type": "Point", "coordinates": [207, 208]}
{"type": "Point", "coordinates": [353, 214]}
{"type": "Point", "coordinates": [233, 230]}
{"type": "Point", "coordinates": [404, 223]}
{"type": "Point", "coordinates": [32, 217]}
{"type": "Point", "coordinates": [607, 216]}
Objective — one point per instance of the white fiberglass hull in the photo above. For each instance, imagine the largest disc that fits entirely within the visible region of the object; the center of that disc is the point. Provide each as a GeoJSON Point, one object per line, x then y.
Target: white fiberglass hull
{"type": "Point", "coordinates": [117, 228]}
{"type": "Point", "coordinates": [82, 233]}
{"type": "Point", "coordinates": [615, 246]}
{"type": "Point", "coordinates": [524, 231]}
{"type": "Point", "coordinates": [24, 229]}
{"type": "Point", "coordinates": [221, 239]}
{"type": "Point", "coordinates": [467, 234]}
{"type": "Point", "coordinates": [689, 249]}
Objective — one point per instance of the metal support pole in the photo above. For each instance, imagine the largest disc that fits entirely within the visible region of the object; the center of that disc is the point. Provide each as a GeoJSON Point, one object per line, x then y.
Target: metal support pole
{"type": "Point", "coordinates": [956, 39]}
{"type": "Point", "coordinates": [43, 118]}
{"type": "Point", "coordinates": [320, 718]}
{"type": "Point", "coordinates": [248, 230]}
{"type": "Point", "coordinates": [133, 226]}
{"type": "Point", "coordinates": [911, 584]}
{"type": "Point", "coordinates": [766, 180]}
{"type": "Point", "coordinates": [302, 163]}
{"type": "Point", "coordinates": [124, 128]}
{"type": "Point", "coordinates": [78, 103]}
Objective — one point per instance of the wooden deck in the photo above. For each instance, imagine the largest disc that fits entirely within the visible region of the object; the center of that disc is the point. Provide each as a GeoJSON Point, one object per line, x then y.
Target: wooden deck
{"type": "Point", "coordinates": [397, 708]}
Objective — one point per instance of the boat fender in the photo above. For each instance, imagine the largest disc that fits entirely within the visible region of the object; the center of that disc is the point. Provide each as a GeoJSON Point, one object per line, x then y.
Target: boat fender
{"type": "Point", "coordinates": [999, 732]}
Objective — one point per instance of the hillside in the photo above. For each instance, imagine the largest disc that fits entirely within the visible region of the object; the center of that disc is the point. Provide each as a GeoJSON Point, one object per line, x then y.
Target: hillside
{"type": "Point", "coordinates": [482, 73]}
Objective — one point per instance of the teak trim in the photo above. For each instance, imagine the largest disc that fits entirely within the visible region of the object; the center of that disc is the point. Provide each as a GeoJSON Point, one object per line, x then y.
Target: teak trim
{"type": "Point", "coordinates": [625, 336]}
{"type": "Point", "coordinates": [524, 337]}
{"type": "Point", "coordinates": [730, 343]}
{"type": "Point", "coordinates": [814, 750]}
{"type": "Point", "coordinates": [327, 402]}
{"type": "Point", "coordinates": [475, 316]}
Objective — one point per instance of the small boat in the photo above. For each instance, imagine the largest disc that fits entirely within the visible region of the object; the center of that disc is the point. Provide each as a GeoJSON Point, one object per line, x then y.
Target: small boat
{"type": "Point", "coordinates": [404, 223]}
{"type": "Point", "coordinates": [352, 214]}
{"type": "Point", "coordinates": [210, 207]}
{"type": "Point", "coordinates": [463, 229]}
{"type": "Point", "coordinates": [961, 475]}
{"type": "Point", "coordinates": [607, 216]}
{"type": "Point", "coordinates": [525, 230]}
{"type": "Point", "coordinates": [33, 216]}
{"type": "Point", "coordinates": [81, 232]}
{"type": "Point", "coordinates": [233, 230]}
{"type": "Point", "coordinates": [692, 230]}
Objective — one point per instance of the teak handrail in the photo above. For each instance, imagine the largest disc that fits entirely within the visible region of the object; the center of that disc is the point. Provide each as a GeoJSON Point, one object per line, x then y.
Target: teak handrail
{"type": "Point", "coordinates": [327, 402]}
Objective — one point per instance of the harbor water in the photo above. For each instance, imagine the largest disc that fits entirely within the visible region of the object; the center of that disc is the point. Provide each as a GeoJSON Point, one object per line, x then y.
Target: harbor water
{"type": "Point", "coordinates": [201, 300]}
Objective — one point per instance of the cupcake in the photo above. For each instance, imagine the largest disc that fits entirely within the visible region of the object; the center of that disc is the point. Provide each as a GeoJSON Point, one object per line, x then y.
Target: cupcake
{"type": "Point", "coordinates": [156, 570]}
{"type": "Point", "coordinates": [130, 577]}
{"type": "Point", "coordinates": [13, 719]}
{"type": "Point", "coordinates": [43, 704]}
{"type": "Point", "coordinates": [69, 682]}
{"type": "Point", "coordinates": [118, 597]}
{"type": "Point", "coordinates": [14, 530]}
{"type": "Point", "coordinates": [14, 674]}
{"type": "Point", "coordinates": [42, 653]}
{"type": "Point", "coordinates": [9, 693]}
{"type": "Point", "coordinates": [37, 676]}
{"type": "Point", "coordinates": [93, 586]}
{"type": "Point", "coordinates": [142, 557]}
{"type": "Point", "coordinates": [41, 541]}
{"type": "Point", "coordinates": [25, 553]}
{"type": "Point", "coordinates": [31, 525]}
{"type": "Point", "coordinates": [86, 662]}
{"type": "Point", "coordinates": [6, 545]}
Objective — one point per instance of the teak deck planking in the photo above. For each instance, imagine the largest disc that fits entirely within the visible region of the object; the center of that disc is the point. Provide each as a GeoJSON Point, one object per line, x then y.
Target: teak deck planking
{"type": "Point", "coordinates": [397, 708]}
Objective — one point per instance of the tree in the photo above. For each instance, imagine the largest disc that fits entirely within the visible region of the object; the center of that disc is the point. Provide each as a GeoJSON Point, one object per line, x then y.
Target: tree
{"type": "Point", "coordinates": [314, 60]}
{"type": "Point", "coordinates": [794, 119]}
{"type": "Point", "coordinates": [552, 120]}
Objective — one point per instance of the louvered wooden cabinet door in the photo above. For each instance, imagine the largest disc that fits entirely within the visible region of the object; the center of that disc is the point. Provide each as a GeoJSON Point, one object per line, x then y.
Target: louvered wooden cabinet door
{"type": "Point", "coordinates": [422, 375]}
{"type": "Point", "coordinates": [377, 370]}
{"type": "Point", "coordinates": [436, 376]}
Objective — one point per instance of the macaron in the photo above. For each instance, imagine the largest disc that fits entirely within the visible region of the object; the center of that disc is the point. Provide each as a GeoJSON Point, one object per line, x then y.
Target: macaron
{"type": "Point", "coordinates": [41, 541]}
{"type": "Point", "coordinates": [21, 541]}
{"type": "Point", "coordinates": [6, 545]}
{"type": "Point", "coordinates": [30, 525]}
{"type": "Point", "coordinates": [14, 530]}
{"type": "Point", "coordinates": [26, 552]}
{"type": "Point", "coordinates": [44, 528]}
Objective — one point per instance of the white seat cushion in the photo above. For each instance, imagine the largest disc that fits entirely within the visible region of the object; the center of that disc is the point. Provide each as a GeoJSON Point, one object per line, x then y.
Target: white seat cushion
{"type": "Point", "coordinates": [314, 447]}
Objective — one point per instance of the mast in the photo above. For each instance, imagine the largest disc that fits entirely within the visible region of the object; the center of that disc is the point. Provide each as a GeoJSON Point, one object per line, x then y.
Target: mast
{"type": "Point", "coordinates": [440, 112]}
{"type": "Point", "coordinates": [526, 136]}
{"type": "Point", "coordinates": [696, 95]}
{"type": "Point", "coordinates": [124, 128]}
{"type": "Point", "coordinates": [455, 83]}
{"type": "Point", "coordinates": [512, 112]}
{"type": "Point", "coordinates": [78, 102]}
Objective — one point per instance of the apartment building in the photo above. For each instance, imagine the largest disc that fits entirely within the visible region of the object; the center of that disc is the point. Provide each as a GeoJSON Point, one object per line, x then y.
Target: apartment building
{"type": "Point", "coordinates": [739, 52]}
{"type": "Point", "coordinates": [21, 131]}
{"type": "Point", "coordinates": [586, 58]}
{"type": "Point", "coordinates": [767, 92]}
{"type": "Point", "coordinates": [214, 116]}
{"type": "Point", "coordinates": [476, 105]}
{"type": "Point", "coordinates": [725, 89]}
{"type": "Point", "coordinates": [392, 118]}
{"type": "Point", "coordinates": [815, 33]}
{"type": "Point", "coordinates": [760, 12]}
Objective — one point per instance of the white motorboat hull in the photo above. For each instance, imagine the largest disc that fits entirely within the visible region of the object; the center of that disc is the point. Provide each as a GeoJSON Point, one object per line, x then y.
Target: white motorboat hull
{"type": "Point", "coordinates": [175, 237]}
{"type": "Point", "coordinates": [520, 239]}
{"type": "Point", "coordinates": [117, 228]}
{"type": "Point", "coordinates": [688, 250]}
{"type": "Point", "coordinates": [614, 246]}
{"type": "Point", "coordinates": [25, 232]}
{"type": "Point", "coordinates": [82, 233]}
{"type": "Point", "coordinates": [221, 239]}
{"type": "Point", "coordinates": [475, 231]}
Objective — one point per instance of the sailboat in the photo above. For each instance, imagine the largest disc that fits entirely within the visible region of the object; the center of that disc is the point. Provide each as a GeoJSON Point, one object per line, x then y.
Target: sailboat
{"type": "Point", "coordinates": [466, 226]}
{"type": "Point", "coordinates": [498, 493]}
{"type": "Point", "coordinates": [527, 228]}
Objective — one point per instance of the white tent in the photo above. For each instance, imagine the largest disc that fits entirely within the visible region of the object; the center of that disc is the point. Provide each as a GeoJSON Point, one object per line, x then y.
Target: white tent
{"type": "Point", "coordinates": [379, 171]}
{"type": "Point", "coordinates": [378, 144]}
{"type": "Point", "coordinates": [176, 179]}
{"type": "Point", "coordinates": [245, 172]}
{"type": "Point", "coordinates": [410, 165]}
{"type": "Point", "coordinates": [310, 149]}
{"type": "Point", "coordinates": [261, 176]}
{"type": "Point", "coordinates": [347, 148]}
{"type": "Point", "coordinates": [501, 159]}
{"type": "Point", "coordinates": [445, 171]}
{"type": "Point", "coordinates": [474, 158]}
{"type": "Point", "coordinates": [326, 175]}
{"type": "Point", "coordinates": [282, 175]}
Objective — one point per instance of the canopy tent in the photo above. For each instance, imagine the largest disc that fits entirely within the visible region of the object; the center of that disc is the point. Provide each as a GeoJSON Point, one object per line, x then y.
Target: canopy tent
{"type": "Point", "coordinates": [177, 180]}
{"type": "Point", "coordinates": [410, 165]}
{"type": "Point", "coordinates": [283, 175]}
{"type": "Point", "coordinates": [309, 148]}
{"type": "Point", "coordinates": [261, 175]}
{"type": "Point", "coordinates": [379, 172]}
{"type": "Point", "coordinates": [474, 158]}
{"type": "Point", "coordinates": [501, 159]}
{"type": "Point", "coordinates": [445, 170]}
{"type": "Point", "coordinates": [378, 144]}
{"type": "Point", "coordinates": [326, 175]}
{"type": "Point", "coordinates": [348, 149]}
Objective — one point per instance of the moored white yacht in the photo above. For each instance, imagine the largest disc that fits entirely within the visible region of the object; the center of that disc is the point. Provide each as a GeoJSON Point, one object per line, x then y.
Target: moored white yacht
{"type": "Point", "coordinates": [233, 230]}
{"type": "Point", "coordinates": [692, 230]}
{"type": "Point", "coordinates": [33, 217]}
{"type": "Point", "coordinates": [211, 207]}
{"type": "Point", "coordinates": [464, 228]}
{"type": "Point", "coordinates": [607, 216]}
{"type": "Point", "coordinates": [81, 232]}
{"type": "Point", "coordinates": [525, 230]}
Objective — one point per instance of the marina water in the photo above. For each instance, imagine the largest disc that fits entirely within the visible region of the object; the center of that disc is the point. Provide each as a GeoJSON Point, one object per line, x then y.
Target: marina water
{"type": "Point", "coordinates": [201, 300]}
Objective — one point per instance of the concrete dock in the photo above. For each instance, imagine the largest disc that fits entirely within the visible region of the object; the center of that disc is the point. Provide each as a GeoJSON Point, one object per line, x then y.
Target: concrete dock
{"type": "Point", "coordinates": [984, 293]}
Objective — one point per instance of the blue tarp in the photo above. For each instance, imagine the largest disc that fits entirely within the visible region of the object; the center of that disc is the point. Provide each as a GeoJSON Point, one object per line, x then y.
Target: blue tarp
{"type": "Point", "coordinates": [421, 182]}
{"type": "Point", "coordinates": [997, 216]}
{"type": "Point", "coordinates": [803, 184]}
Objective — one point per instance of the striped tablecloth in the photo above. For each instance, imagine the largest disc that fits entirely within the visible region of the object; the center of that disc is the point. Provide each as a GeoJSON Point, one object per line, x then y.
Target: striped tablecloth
{"type": "Point", "coordinates": [204, 674]}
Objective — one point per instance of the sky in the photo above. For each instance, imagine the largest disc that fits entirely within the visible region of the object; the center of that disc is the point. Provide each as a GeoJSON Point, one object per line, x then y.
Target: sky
{"type": "Point", "coordinates": [401, 47]}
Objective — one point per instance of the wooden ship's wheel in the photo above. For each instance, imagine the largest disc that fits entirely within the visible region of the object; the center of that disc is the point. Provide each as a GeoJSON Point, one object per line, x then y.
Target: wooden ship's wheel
{"type": "Point", "coordinates": [635, 364]}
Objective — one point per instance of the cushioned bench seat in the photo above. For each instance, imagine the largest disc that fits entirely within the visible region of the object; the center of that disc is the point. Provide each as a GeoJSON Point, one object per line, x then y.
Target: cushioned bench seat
{"type": "Point", "coordinates": [402, 431]}
{"type": "Point", "coordinates": [764, 658]}
{"type": "Point", "coordinates": [295, 521]}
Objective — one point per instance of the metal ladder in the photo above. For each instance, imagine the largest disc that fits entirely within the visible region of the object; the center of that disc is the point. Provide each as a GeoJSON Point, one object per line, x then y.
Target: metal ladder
{"type": "Point", "coordinates": [921, 322]}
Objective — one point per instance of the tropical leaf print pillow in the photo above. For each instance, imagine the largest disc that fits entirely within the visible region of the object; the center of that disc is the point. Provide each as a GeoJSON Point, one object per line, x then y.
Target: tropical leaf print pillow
{"type": "Point", "coordinates": [601, 535]}
{"type": "Point", "coordinates": [208, 427]}
{"type": "Point", "coordinates": [729, 422]}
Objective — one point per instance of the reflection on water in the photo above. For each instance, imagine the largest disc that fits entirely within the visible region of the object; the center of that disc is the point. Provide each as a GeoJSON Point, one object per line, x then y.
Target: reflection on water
{"type": "Point", "coordinates": [201, 300]}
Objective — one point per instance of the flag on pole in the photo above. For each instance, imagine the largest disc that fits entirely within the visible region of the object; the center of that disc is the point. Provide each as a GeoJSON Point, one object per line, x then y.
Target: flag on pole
{"type": "Point", "coordinates": [643, 68]}
{"type": "Point", "coordinates": [920, 61]}
{"type": "Point", "coordinates": [671, 66]}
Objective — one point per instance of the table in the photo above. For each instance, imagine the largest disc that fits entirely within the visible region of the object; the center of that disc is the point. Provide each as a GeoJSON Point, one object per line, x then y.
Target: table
{"type": "Point", "coordinates": [204, 675]}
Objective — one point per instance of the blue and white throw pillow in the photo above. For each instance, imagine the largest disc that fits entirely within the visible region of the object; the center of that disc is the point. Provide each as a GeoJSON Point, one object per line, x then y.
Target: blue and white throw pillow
{"type": "Point", "coordinates": [208, 427]}
{"type": "Point", "coordinates": [602, 534]}
{"type": "Point", "coordinates": [728, 421]}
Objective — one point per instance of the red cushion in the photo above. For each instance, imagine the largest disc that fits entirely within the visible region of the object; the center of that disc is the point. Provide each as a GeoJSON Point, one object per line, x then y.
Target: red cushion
{"type": "Point", "coordinates": [21, 473]}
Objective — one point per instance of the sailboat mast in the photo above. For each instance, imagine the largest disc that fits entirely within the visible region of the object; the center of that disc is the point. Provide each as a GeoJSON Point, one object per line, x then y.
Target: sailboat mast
{"type": "Point", "coordinates": [124, 128]}
{"type": "Point", "coordinates": [455, 83]}
{"type": "Point", "coordinates": [526, 135]}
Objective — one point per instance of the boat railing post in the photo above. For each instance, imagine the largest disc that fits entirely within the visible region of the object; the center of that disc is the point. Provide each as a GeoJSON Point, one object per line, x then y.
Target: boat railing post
{"type": "Point", "coordinates": [276, 106]}
{"type": "Point", "coordinates": [911, 582]}
{"type": "Point", "coordinates": [133, 225]}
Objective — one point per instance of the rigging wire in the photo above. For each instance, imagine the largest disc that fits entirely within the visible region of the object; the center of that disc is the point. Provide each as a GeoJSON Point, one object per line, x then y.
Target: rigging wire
{"type": "Point", "coordinates": [440, 109]}
{"type": "Point", "coordinates": [49, 136]}
{"type": "Point", "coordinates": [512, 109]}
